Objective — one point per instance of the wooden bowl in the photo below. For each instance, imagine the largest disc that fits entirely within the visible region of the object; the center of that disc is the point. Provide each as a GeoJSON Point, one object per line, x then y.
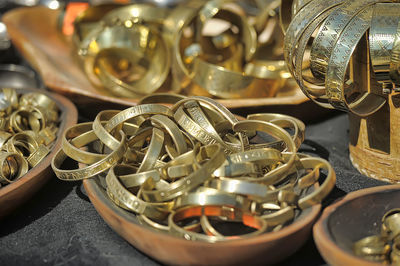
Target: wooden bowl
{"type": "Point", "coordinates": [355, 216]}
{"type": "Point", "coordinates": [34, 32]}
{"type": "Point", "coordinates": [16, 193]}
{"type": "Point", "coordinates": [267, 248]}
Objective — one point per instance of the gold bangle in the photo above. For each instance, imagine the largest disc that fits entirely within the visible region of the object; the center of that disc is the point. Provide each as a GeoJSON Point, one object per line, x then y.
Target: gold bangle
{"type": "Point", "coordinates": [17, 172]}
{"type": "Point", "coordinates": [97, 65]}
{"type": "Point", "coordinates": [324, 189]}
{"type": "Point", "coordinates": [230, 84]}
{"type": "Point", "coordinates": [395, 60]}
{"type": "Point", "coordinates": [174, 132]}
{"type": "Point", "coordinates": [153, 151]}
{"type": "Point", "coordinates": [21, 143]}
{"type": "Point", "coordinates": [384, 23]}
{"type": "Point", "coordinates": [278, 173]}
{"type": "Point", "coordinates": [369, 102]}
{"type": "Point", "coordinates": [197, 114]}
{"type": "Point", "coordinates": [36, 120]}
{"type": "Point", "coordinates": [222, 110]}
{"type": "Point", "coordinates": [135, 111]}
{"type": "Point", "coordinates": [281, 216]}
{"type": "Point", "coordinates": [137, 13]}
{"type": "Point", "coordinates": [91, 170]}
{"type": "Point", "coordinates": [216, 157]}
{"type": "Point", "coordinates": [283, 121]}
{"type": "Point", "coordinates": [372, 248]}
{"type": "Point", "coordinates": [197, 131]}
{"type": "Point", "coordinates": [79, 136]}
{"type": "Point", "coordinates": [329, 33]}
{"type": "Point", "coordinates": [11, 96]}
{"type": "Point", "coordinates": [88, 19]}
{"type": "Point", "coordinates": [4, 137]}
{"type": "Point", "coordinates": [134, 203]}
{"type": "Point", "coordinates": [171, 98]}
{"type": "Point", "coordinates": [391, 224]}
{"type": "Point", "coordinates": [237, 186]}
{"type": "Point", "coordinates": [222, 211]}
{"type": "Point", "coordinates": [214, 9]}
{"type": "Point", "coordinates": [310, 86]}
{"type": "Point", "coordinates": [299, 24]}
{"type": "Point", "coordinates": [216, 199]}
{"type": "Point", "coordinates": [38, 155]}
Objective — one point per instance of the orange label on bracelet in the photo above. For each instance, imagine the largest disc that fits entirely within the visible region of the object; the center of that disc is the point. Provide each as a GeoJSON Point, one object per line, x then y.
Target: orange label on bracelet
{"type": "Point", "coordinates": [71, 12]}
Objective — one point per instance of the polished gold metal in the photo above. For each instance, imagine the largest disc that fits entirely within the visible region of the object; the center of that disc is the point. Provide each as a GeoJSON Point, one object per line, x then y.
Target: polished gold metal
{"type": "Point", "coordinates": [165, 169]}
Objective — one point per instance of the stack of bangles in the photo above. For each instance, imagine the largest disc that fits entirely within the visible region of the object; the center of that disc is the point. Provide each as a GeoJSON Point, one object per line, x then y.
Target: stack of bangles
{"type": "Point", "coordinates": [383, 247]}
{"type": "Point", "coordinates": [321, 43]}
{"type": "Point", "coordinates": [136, 50]}
{"type": "Point", "coordinates": [28, 128]}
{"type": "Point", "coordinates": [195, 171]}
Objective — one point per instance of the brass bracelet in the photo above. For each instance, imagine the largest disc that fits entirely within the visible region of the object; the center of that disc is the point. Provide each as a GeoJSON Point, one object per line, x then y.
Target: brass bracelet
{"type": "Point", "coordinates": [223, 211]}
{"type": "Point", "coordinates": [278, 173]}
{"type": "Point", "coordinates": [4, 137]}
{"type": "Point", "coordinates": [384, 23]}
{"type": "Point", "coordinates": [217, 198]}
{"type": "Point", "coordinates": [283, 121]}
{"type": "Point", "coordinates": [372, 248]}
{"type": "Point", "coordinates": [311, 87]}
{"type": "Point", "coordinates": [395, 60]}
{"type": "Point", "coordinates": [300, 22]}
{"type": "Point", "coordinates": [135, 111]}
{"type": "Point", "coordinates": [91, 170]}
{"type": "Point", "coordinates": [216, 157]}
{"type": "Point", "coordinates": [323, 190]}
{"type": "Point", "coordinates": [329, 33]}
{"type": "Point", "coordinates": [173, 130]}
{"type": "Point", "coordinates": [220, 109]}
{"type": "Point", "coordinates": [38, 155]}
{"type": "Point", "coordinates": [96, 68]}
{"type": "Point", "coordinates": [279, 217]}
{"type": "Point", "coordinates": [369, 102]}
{"type": "Point", "coordinates": [214, 9]}
{"type": "Point", "coordinates": [132, 202]}
{"type": "Point", "coordinates": [14, 172]}
{"type": "Point", "coordinates": [196, 131]}
{"type": "Point", "coordinates": [153, 151]}
{"type": "Point", "coordinates": [391, 224]}
{"type": "Point", "coordinates": [77, 137]}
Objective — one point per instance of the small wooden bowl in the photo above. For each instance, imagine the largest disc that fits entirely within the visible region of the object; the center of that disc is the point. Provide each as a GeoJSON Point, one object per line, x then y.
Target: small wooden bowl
{"type": "Point", "coordinates": [267, 248]}
{"type": "Point", "coordinates": [16, 193]}
{"type": "Point", "coordinates": [355, 216]}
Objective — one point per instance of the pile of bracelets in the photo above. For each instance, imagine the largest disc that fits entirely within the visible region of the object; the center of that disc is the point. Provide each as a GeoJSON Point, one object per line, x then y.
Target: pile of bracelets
{"type": "Point", "coordinates": [324, 36]}
{"type": "Point", "coordinates": [195, 171]}
{"type": "Point", "coordinates": [28, 128]}
{"type": "Point", "coordinates": [135, 50]}
{"type": "Point", "coordinates": [383, 247]}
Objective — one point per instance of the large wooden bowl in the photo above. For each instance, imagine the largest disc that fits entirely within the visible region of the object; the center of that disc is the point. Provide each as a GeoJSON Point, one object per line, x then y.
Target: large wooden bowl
{"type": "Point", "coordinates": [267, 248]}
{"type": "Point", "coordinates": [34, 32]}
{"type": "Point", "coordinates": [355, 216]}
{"type": "Point", "coordinates": [15, 194]}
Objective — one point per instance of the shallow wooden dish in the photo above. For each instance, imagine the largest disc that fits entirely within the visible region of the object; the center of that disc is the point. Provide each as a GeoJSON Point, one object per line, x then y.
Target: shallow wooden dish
{"type": "Point", "coordinates": [15, 194]}
{"type": "Point", "coordinates": [34, 32]}
{"type": "Point", "coordinates": [267, 248]}
{"type": "Point", "coordinates": [355, 216]}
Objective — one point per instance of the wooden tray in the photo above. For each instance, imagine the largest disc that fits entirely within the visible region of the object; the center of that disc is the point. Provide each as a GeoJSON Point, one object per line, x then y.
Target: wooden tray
{"type": "Point", "coordinates": [34, 32]}
{"type": "Point", "coordinates": [15, 194]}
{"type": "Point", "coordinates": [266, 249]}
{"type": "Point", "coordinates": [355, 216]}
